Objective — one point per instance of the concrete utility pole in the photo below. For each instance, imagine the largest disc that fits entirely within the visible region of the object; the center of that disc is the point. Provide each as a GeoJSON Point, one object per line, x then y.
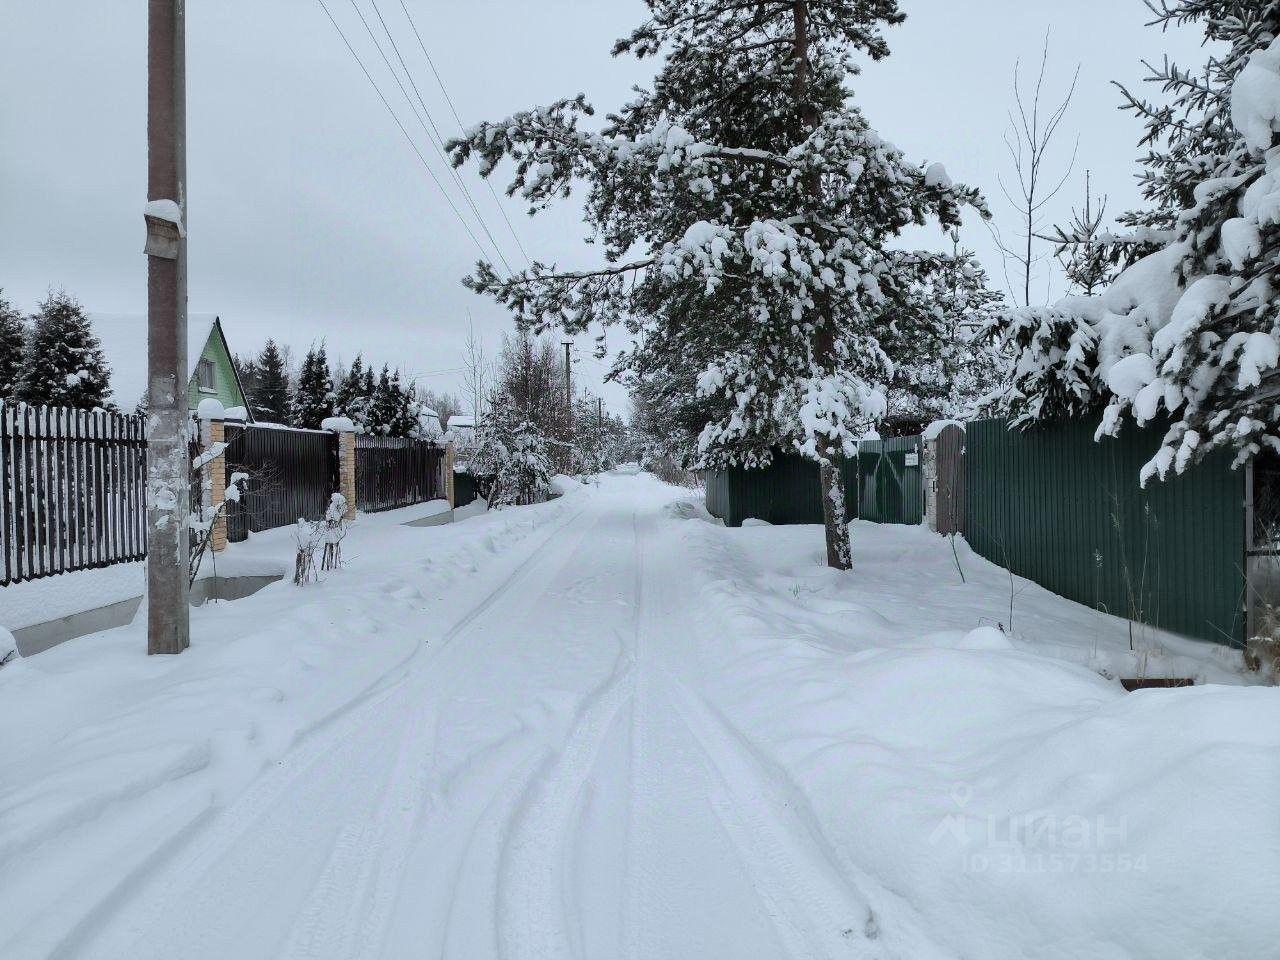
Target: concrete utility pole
{"type": "Point", "coordinates": [168, 466]}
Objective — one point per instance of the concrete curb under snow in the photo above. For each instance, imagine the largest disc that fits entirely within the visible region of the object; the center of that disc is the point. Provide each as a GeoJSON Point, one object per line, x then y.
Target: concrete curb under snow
{"type": "Point", "coordinates": [39, 637]}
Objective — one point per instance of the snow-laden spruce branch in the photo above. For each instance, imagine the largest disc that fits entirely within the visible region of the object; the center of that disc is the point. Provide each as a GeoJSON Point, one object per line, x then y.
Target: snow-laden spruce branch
{"type": "Point", "coordinates": [798, 255]}
{"type": "Point", "coordinates": [1187, 332]}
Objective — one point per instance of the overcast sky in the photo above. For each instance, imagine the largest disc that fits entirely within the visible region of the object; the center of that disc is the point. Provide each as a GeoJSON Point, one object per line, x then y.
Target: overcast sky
{"type": "Point", "coordinates": [311, 217]}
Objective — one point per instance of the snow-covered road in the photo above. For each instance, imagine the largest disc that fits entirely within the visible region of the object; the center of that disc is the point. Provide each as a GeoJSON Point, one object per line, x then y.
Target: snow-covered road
{"type": "Point", "coordinates": [542, 781]}
{"type": "Point", "coordinates": [624, 732]}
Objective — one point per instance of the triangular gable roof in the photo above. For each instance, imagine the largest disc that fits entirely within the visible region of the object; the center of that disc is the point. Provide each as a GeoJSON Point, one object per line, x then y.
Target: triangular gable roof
{"type": "Point", "coordinates": [124, 342]}
{"type": "Point", "coordinates": [217, 331]}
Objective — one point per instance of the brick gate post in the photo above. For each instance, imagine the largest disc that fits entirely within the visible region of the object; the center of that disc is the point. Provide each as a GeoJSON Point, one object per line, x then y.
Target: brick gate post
{"type": "Point", "coordinates": [346, 432]}
{"type": "Point", "coordinates": [213, 433]}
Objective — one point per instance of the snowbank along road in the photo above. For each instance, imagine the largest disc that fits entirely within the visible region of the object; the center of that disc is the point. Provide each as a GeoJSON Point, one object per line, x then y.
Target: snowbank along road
{"type": "Point", "coordinates": [619, 747]}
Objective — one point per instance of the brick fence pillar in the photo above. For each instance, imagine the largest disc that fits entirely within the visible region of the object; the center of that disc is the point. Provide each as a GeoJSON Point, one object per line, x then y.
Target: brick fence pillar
{"type": "Point", "coordinates": [215, 479]}
{"type": "Point", "coordinates": [347, 470]}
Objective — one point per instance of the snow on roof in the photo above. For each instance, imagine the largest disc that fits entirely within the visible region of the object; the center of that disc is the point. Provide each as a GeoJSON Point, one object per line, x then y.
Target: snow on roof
{"type": "Point", "coordinates": [459, 420]}
{"type": "Point", "coordinates": [124, 341]}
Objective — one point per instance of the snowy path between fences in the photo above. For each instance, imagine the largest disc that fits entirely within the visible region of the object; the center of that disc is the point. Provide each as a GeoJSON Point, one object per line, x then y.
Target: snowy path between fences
{"type": "Point", "coordinates": [604, 727]}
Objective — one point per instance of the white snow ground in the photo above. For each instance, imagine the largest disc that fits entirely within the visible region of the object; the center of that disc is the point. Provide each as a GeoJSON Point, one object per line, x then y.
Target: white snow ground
{"type": "Point", "coordinates": [603, 727]}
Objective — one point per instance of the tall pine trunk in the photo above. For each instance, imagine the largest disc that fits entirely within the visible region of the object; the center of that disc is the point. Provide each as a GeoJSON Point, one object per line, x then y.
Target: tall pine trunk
{"type": "Point", "coordinates": [833, 515]}
{"type": "Point", "coordinates": [832, 481]}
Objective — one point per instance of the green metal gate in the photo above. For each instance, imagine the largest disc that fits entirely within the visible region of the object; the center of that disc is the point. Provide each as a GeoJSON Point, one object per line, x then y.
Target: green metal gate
{"type": "Point", "coordinates": [890, 488]}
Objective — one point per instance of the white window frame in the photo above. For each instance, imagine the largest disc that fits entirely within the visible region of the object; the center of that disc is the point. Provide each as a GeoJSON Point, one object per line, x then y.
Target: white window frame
{"type": "Point", "coordinates": [203, 364]}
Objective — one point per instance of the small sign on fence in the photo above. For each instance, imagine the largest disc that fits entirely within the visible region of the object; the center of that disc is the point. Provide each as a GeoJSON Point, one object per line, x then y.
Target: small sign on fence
{"type": "Point", "coordinates": [913, 459]}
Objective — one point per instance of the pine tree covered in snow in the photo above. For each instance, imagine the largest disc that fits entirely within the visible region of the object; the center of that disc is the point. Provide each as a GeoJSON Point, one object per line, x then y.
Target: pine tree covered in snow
{"type": "Point", "coordinates": [1087, 252]}
{"type": "Point", "coordinates": [313, 398]}
{"type": "Point", "coordinates": [13, 336]}
{"type": "Point", "coordinates": [352, 399]}
{"type": "Point", "coordinates": [514, 452]}
{"type": "Point", "coordinates": [63, 364]}
{"type": "Point", "coordinates": [385, 403]}
{"type": "Point", "coordinates": [944, 362]}
{"type": "Point", "coordinates": [248, 372]}
{"type": "Point", "coordinates": [1191, 330]}
{"type": "Point", "coordinates": [271, 399]}
{"type": "Point", "coordinates": [404, 409]}
{"type": "Point", "coordinates": [744, 207]}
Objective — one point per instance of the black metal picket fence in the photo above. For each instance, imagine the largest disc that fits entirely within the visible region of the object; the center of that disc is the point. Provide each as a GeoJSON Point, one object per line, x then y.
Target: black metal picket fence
{"type": "Point", "coordinates": [291, 475]}
{"type": "Point", "coordinates": [395, 472]}
{"type": "Point", "coordinates": [72, 490]}
{"type": "Point", "coordinates": [73, 484]}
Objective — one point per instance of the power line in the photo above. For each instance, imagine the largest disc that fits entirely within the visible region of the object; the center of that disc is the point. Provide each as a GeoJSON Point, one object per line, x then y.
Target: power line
{"type": "Point", "coordinates": [436, 141]}
{"type": "Point", "coordinates": [439, 373]}
{"type": "Point", "coordinates": [410, 139]}
{"type": "Point", "coordinates": [462, 128]}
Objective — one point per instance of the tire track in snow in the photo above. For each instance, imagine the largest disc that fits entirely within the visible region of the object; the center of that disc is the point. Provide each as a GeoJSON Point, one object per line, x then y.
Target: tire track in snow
{"type": "Point", "coordinates": [813, 905]}
{"type": "Point", "coordinates": [826, 913]}
{"type": "Point", "coordinates": [351, 904]}
{"type": "Point", "coordinates": [534, 906]}
{"type": "Point", "coordinates": [535, 870]}
{"type": "Point", "coordinates": [687, 886]}
{"type": "Point", "coordinates": [328, 746]}
{"type": "Point", "coordinates": [536, 915]}
{"type": "Point", "coordinates": [468, 828]}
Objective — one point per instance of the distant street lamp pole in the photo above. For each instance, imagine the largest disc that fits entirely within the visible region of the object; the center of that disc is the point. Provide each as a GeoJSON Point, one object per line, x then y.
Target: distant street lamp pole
{"type": "Point", "coordinates": [168, 467]}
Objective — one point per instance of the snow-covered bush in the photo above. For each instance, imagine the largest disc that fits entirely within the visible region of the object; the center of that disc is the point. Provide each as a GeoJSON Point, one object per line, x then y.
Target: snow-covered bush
{"type": "Point", "coordinates": [333, 530]}
{"type": "Point", "coordinates": [1189, 332]}
{"type": "Point", "coordinates": [204, 517]}
{"type": "Point", "coordinates": [307, 537]}
{"type": "Point", "coordinates": [513, 453]}
{"type": "Point", "coordinates": [324, 535]}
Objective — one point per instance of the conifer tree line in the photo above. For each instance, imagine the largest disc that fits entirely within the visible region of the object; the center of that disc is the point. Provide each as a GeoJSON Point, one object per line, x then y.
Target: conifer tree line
{"type": "Point", "coordinates": [376, 400]}
{"type": "Point", "coordinates": [52, 357]}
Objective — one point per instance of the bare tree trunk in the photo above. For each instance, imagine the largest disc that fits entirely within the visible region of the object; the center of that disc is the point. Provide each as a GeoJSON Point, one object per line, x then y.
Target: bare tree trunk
{"type": "Point", "coordinates": [833, 513]}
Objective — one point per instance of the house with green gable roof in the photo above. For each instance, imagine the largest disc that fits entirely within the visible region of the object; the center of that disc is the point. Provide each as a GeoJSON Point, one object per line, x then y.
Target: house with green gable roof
{"type": "Point", "coordinates": [210, 366]}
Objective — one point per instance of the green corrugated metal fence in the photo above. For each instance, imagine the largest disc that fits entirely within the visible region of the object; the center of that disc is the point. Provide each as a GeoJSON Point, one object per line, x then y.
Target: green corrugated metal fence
{"type": "Point", "coordinates": [784, 492]}
{"type": "Point", "coordinates": [1055, 506]}
{"type": "Point", "coordinates": [879, 484]}
{"type": "Point", "coordinates": [1059, 508]}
